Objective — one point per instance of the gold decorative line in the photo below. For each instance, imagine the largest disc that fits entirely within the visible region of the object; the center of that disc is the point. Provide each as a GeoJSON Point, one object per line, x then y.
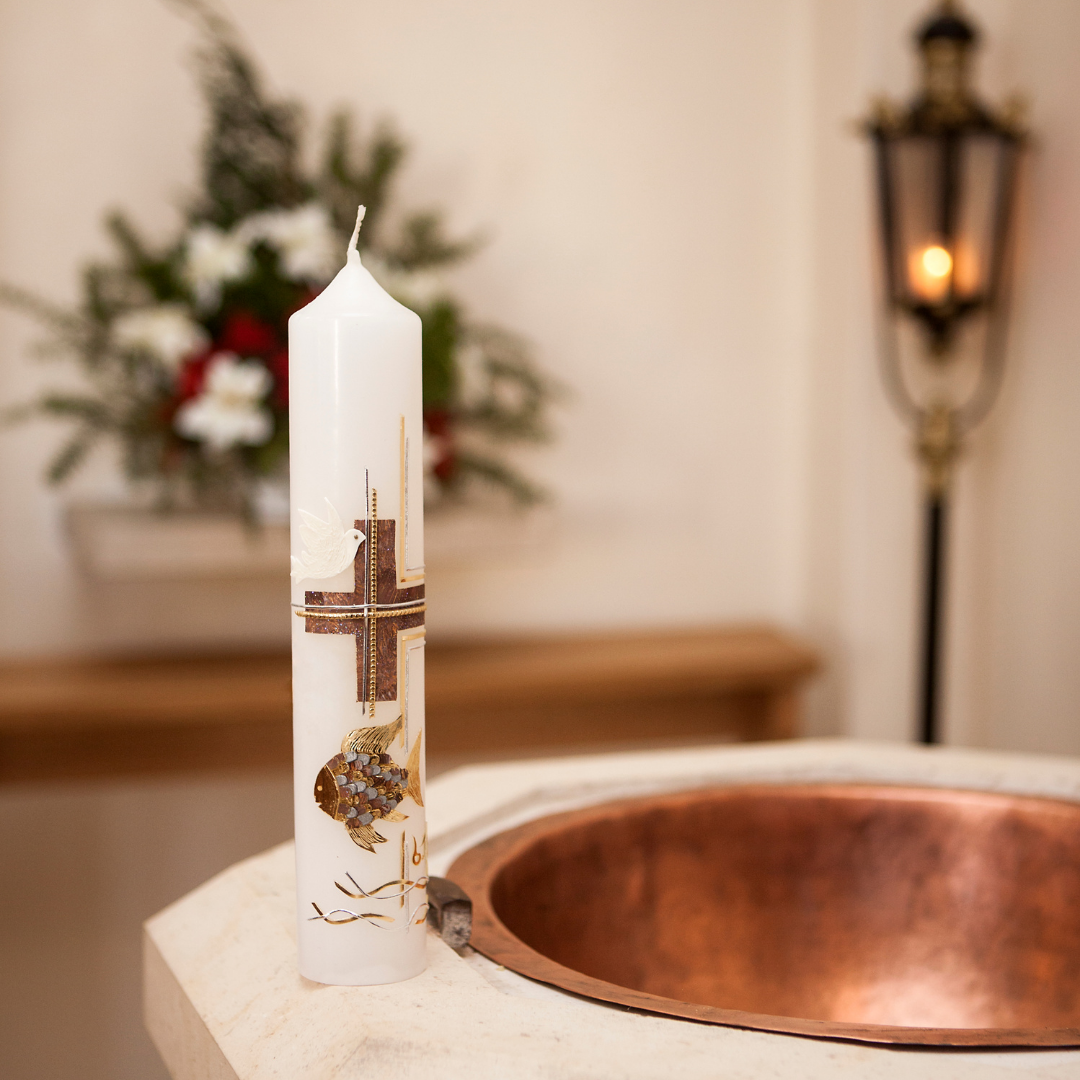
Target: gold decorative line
{"type": "Point", "coordinates": [319, 613]}
{"type": "Point", "coordinates": [407, 886]}
{"type": "Point", "coordinates": [405, 573]}
{"type": "Point", "coordinates": [373, 597]}
{"type": "Point", "coordinates": [403, 470]}
{"type": "Point", "coordinates": [350, 916]}
{"type": "Point", "coordinates": [380, 921]}
{"type": "Point", "coordinates": [401, 901]}
{"type": "Point", "coordinates": [404, 674]}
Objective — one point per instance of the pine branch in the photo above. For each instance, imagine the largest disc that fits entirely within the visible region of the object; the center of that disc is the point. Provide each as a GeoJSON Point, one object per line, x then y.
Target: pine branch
{"type": "Point", "coordinates": [344, 182]}
{"type": "Point", "coordinates": [128, 241]}
{"type": "Point", "coordinates": [523, 491]}
{"type": "Point", "coordinates": [250, 155]}
{"type": "Point", "coordinates": [422, 245]}
{"type": "Point", "coordinates": [208, 17]}
{"type": "Point", "coordinates": [442, 332]}
{"type": "Point", "coordinates": [158, 273]}
{"type": "Point", "coordinates": [71, 455]}
{"type": "Point", "coordinates": [90, 410]}
{"type": "Point", "coordinates": [251, 148]}
{"type": "Point", "coordinates": [506, 361]}
{"type": "Point", "coordinates": [102, 288]}
{"type": "Point", "coordinates": [46, 312]}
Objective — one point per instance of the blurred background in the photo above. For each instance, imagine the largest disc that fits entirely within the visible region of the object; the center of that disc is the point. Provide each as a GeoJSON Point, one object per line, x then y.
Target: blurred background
{"type": "Point", "coordinates": [677, 210]}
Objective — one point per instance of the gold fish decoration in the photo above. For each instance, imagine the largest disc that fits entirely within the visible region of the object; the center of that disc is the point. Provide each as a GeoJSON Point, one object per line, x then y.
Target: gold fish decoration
{"type": "Point", "coordinates": [363, 783]}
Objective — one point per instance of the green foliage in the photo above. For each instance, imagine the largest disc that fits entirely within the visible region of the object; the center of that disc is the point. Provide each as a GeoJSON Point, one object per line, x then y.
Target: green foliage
{"type": "Point", "coordinates": [158, 272]}
{"type": "Point", "coordinates": [252, 181]}
{"type": "Point", "coordinates": [422, 244]}
{"type": "Point", "coordinates": [442, 333]}
{"type": "Point", "coordinates": [251, 151]}
{"type": "Point", "coordinates": [353, 176]}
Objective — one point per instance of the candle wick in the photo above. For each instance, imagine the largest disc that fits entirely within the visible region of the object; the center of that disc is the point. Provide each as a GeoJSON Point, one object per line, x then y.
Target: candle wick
{"type": "Point", "coordinates": [356, 231]}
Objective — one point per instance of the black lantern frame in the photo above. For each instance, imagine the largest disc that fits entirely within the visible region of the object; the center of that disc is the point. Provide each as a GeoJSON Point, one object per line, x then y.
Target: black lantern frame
{"type": "Point", "coordinates": [946, 170]}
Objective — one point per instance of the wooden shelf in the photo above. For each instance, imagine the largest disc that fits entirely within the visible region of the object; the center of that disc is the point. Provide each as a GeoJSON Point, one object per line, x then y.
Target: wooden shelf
{"type": "Point", "coordinates": [123, 717]}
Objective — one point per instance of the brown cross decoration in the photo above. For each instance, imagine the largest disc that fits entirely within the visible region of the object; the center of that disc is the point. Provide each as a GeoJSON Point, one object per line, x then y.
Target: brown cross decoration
{"type": "Point", "coordinates": [379, 622]}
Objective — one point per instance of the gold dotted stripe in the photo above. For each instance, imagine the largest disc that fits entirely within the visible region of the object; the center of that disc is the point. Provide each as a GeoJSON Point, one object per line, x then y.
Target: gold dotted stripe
{"type": "Point", "coordinates": [373, 600]}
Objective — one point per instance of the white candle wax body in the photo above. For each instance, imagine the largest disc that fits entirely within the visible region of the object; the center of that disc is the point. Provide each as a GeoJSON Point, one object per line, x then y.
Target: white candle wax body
{"type": "Point", "coordinates": [356, 489]}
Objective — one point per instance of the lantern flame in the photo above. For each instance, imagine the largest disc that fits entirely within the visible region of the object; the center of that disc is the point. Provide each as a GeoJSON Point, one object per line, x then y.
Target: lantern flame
{"type": "Point", "coordinates": [930, 269]}
{"type": "Point", "coordinates": [937, 262]}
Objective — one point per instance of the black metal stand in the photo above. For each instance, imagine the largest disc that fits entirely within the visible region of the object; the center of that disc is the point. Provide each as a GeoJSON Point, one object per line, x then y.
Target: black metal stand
{"type": "Point", "coordinates": [933, 583]}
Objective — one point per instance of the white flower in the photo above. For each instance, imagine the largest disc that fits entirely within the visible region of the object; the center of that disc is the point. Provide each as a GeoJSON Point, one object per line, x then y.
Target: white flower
{"type": "Point", "coordinates": [304, 237]}
{"type": "Point", "coordinates": [229, 410]}
{"type": "Point", "coordinates": [423, 287]}
{"type": "Point", "coordinates": [166, 331]}
{"type": "Point", "coordinates": [213, 257]}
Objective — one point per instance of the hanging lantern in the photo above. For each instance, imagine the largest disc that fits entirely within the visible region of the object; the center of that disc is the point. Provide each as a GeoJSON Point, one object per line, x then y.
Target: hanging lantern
{"type": "Point", "coordinates": [946, 173]}
{"type": "Point", "coordinates": [946, 179]}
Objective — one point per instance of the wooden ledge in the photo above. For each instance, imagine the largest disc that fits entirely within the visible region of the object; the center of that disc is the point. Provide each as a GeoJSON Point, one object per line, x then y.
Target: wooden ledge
{"type": "Point", "coordinates": [115, 717]}
{"type": "Point", "coordinates": [617, 666]}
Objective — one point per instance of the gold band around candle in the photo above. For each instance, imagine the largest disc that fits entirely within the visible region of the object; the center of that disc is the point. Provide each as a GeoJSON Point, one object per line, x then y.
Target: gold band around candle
{"type": "Point", "coordinates": [359, 613]}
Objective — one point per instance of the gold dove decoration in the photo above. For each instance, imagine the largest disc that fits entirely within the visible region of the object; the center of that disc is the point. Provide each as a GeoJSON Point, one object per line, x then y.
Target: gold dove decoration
{"type": "Point", "coordinates": [364, 784]}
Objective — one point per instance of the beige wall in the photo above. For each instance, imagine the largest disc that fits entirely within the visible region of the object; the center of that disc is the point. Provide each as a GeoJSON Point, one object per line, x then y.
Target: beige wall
{"type": "Point", "coordinates": [1018, 628]}
{"type": "Point", "coordinates": [679, 221]}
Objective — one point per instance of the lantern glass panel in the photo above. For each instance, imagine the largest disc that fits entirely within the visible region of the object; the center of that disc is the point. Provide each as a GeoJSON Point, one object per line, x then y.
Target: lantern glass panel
{"type": "Point", "coordinates": [980, 176]}
{"type": "Point", "coordinates": [945, 193]}
{"type": "Point", "coordinates": [916, 174]}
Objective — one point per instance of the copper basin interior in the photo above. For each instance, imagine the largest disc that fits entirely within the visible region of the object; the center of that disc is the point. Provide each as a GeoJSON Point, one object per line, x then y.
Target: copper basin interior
{"type": "Point", "coordinates": [872, 913]}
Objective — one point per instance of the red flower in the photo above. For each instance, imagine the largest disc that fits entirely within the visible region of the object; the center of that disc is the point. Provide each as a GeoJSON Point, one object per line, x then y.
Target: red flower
{"type": "Point", "coordinates": [192, 375]}
{"type": "Point", "coordinates": [246, 335]}
{"type": "Point", "coordinates": [278, 361]}
{"type": "Point", "coordinates": [438, 422]}
{"type": "Point", "coordinates": [439, 425]}
{"type": "Point", "coordinates": [279, 368]}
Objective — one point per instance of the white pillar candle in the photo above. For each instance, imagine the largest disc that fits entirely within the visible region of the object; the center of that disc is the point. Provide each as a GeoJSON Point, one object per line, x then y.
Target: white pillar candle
{"type": "Point", "coordinates": [356, 459]}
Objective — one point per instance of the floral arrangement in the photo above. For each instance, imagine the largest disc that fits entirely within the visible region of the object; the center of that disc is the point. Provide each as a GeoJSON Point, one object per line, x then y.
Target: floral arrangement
{"type": "Point", "coordinates": [183, 348]}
